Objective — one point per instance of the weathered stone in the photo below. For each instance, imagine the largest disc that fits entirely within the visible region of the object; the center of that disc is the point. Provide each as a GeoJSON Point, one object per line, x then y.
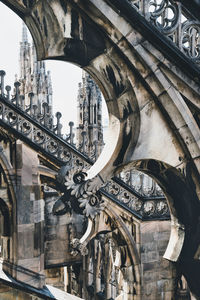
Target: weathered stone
{"type": "Point", "coordinates": [133, 63]}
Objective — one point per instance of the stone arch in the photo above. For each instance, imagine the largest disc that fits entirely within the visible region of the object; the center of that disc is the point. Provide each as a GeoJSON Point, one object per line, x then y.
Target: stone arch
{"type": "Point", "coordinates": [119, 63]}
{"type": "Point", "coordinates": [124, 65]}
{"type": "Point", "coordinates": [102, 225]}
{"type": "Point", "coordinates": [128, 261]}
{"type": "Point", "coordinates": [79, 41]}
{"type": "Point", "coordinates": [180, 191]}
{"type": "Point", "coordinates": [131, 246]}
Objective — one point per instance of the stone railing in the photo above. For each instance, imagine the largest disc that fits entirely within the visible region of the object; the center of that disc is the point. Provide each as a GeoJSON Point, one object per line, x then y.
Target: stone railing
{"type": "Point", "coordinates": [142, 184]}
{"type": "Point", "coordinates": [38, 131]}
{"type": "Point", "coordinates": [145, 208]}
{"type": "Point", "coordinates": [173, 20]}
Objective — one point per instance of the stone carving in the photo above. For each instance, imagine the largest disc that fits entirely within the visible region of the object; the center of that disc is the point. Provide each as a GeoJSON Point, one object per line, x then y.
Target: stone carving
{"type": "Point", "coordinates": [91, 203]}
{"type": "Point", "coordinates": [191, 39]}
{"type": "Point", "coordinates": [131, 189]}
{"type": "Point", "coordinates": [149, 207]}
{"type": "Point", "coordinates": [108, 267]}
{"type": "Point", "coordinates": [135, 204]}
{"type": "Point", "coordinates": [161, 207]}
{"type": "Point", "coordinates": [141, 183]}
{"type": "Point", "coordinates": [86, 192]}
{"type": "Point", "coordinates": [164, 15]}
{"type": "Point", "coordinates": [173, 20]}
{"type": "Point", "coordinates": [78, 247]}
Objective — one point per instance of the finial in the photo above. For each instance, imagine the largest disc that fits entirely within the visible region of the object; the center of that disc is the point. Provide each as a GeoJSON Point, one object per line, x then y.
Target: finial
{"type": "Point", "coordinates": [31, 95]}
{"type": "Point", "coordinates": [2, 75]}
{"type": "Point", "coordinates": [35, 108]}
{"type": "Point", "coordinates": [71, 134]}
{"type": "Point", "coordinates": [58, 127]}
{"type": "Point", "coordinates": [8, 89]}
{"type": "Point", "coordinates": [17, 92]}
{"type": "Point", "coordinates": [58, 115]}
{"type": "Point", "coordinates": [22, 98]}
{"type": "Point", "coordinates": [71, 124]}
{"type": "Point", "coordinates": [29, 108]}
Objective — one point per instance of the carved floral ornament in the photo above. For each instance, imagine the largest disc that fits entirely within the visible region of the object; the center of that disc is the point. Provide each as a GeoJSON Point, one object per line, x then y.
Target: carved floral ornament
{"type": "Point", "coordinates": [89, 196]}
{"type": "Point", "coordinates": [85, 191]}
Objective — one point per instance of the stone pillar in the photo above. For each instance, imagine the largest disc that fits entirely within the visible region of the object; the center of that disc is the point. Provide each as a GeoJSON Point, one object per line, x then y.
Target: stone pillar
{"type": "Point", "coordinates": [29, 265]}
{"type": "Point", "coordinates": [158, 274]}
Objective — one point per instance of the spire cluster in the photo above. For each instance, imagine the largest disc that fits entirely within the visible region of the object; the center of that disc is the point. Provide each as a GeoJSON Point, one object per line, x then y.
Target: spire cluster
{"type": "Point", "coordinates": [33, 76]}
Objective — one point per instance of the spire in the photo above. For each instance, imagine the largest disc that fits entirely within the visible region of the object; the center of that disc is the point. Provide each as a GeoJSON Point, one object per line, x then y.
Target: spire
{"type": "Point", "coordinates": [24, 33]}
{"type": "Point", "coordinates": [89, 117]}
{"type": "Point", "coordinates": [33, 76]}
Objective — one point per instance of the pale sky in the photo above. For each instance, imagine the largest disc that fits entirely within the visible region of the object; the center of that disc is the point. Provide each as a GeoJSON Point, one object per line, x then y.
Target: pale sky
{"type": "Point", "coordinates": [65, 76]}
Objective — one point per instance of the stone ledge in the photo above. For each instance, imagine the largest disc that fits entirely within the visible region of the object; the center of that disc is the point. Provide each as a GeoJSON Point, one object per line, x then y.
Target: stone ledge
{"type": "Point", "coordinates": [47, 292]}
{"type": "Point", "coordinates": [22, 274]}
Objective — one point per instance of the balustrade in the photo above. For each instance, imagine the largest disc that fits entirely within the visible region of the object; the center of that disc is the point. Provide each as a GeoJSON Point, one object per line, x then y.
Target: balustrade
{"type": "Point", "coordinates": [173, 20]}
{"type": "Point", "coordinates": [134, 191]}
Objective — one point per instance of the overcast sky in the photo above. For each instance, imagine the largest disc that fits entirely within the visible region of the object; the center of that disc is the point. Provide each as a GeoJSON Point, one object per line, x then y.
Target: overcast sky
{"type": "Point", "coordinates": [65, 76]}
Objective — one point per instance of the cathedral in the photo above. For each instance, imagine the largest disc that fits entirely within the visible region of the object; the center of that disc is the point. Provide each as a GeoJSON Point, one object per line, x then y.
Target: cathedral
{"type": "Point", "coordinates": [54, 243]}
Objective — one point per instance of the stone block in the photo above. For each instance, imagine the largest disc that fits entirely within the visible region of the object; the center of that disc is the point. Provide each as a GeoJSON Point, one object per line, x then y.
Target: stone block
{"type": "Point", "coordinates": [135, 59]}
{"type": "Point", "coordinates": [150, 266]}
{"type": "Point", "coordinates": [161, 236]}
{"type": "Point", "coordinates": [151, 256]}
{"type": "Point", "coordinates": [19, 155]}
{"type": "Point", "coordinates": [154, 84]}
{"type": "Point", "coordinates": [166, 101]}
{"type": "Point", "coordinates": [146, 238]}
{"type": "Point", "coordinates": [150, 246]}
{"type": "Point", "coordinates": [150, 288]}
{"type": "Point", "coordinates": [24, 205]}
{"type": "Point", "coordinates": [36, 189]}
{"type": "Point", "coordinates": [38, 241]}
{"type": "Point", "coordinates": [16, 294]}
{"type": "Point", "coordinates": [134, 37]}
{"type": "Point", "coordinates": [25, 275]}
{"type": "Point", "coordinates": [155, 52]}
{"type": "Point", "coordinates": [25, 245]}
{"type": "Point", "coordinates": [118, 22]}
{"type": "Point", "coordinates": [149, 276]}
{"type": "Point", "coordinates": [162, 245]}
{"type": "Point", "coordinates": [38, 210]}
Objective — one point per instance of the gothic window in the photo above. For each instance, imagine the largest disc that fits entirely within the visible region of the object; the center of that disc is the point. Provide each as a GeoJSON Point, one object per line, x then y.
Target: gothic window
{"type": "Point", "coordinates": [109, 270]}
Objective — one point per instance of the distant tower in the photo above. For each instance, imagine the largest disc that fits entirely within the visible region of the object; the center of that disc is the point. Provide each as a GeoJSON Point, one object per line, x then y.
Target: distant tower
{"type": "Point", "coordinates": [33, 75]}
{"type": "Point", "coordinates": [89, 129]}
